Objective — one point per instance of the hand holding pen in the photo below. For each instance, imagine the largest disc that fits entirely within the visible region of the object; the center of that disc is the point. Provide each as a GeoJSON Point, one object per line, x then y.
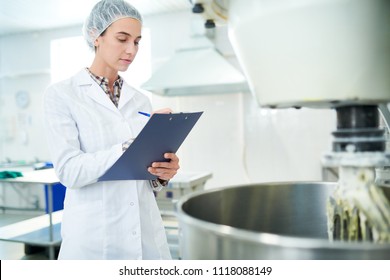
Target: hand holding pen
{"type": "Point", "coordinates": [160, 111]}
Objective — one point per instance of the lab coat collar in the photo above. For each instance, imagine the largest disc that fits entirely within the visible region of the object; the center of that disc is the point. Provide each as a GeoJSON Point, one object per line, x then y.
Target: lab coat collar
{"type": "Point", "coordinates": [97, 93]}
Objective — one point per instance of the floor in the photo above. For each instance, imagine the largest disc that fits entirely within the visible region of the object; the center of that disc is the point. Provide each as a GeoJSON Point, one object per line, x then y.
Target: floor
{"type": "Point", "coordinates": [14, 250]}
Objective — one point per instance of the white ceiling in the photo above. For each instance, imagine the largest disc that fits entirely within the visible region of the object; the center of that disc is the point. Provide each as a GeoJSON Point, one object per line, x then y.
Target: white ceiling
{"type": "Point", "coordinates": [28, 15]}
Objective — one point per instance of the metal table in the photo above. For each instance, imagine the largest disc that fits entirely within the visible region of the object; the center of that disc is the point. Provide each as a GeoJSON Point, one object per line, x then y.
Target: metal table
{"type": "Point", "coordinates": [181, 184]}
{"type": "Point", "coordinates": [43, 230]}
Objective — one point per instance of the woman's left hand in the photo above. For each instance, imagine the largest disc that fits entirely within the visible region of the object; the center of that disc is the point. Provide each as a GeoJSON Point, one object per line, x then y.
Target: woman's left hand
{"type": "Point", "coordinates": [165, 170]}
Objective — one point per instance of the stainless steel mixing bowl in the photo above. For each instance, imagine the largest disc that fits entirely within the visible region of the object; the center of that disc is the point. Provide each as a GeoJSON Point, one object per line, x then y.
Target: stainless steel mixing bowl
{"type": "Point", "coordinates": [265, 221]}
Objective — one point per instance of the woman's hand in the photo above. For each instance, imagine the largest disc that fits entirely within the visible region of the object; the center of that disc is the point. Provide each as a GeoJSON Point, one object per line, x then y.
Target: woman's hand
{"type": "Point", "coordinates": [165, 170]}
{"type": "Point", "coordinates": [163, 111]}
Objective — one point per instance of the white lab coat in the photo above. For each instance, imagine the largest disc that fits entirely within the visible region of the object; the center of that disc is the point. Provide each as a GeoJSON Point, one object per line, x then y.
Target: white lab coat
{"type": "Point", "coordinates": [85, 131]}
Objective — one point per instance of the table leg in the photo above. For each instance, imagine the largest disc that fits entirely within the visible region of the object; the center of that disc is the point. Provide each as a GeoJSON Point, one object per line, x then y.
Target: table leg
{"type": "Point", "coordinates": [50, 210]}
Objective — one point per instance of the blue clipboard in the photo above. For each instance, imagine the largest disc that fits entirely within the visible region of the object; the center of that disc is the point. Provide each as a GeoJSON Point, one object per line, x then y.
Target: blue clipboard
{"type": "Point", "coordinates": [163, 133]}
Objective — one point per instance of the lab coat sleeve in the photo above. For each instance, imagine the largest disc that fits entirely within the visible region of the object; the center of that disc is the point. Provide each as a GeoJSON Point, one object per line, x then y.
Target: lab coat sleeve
{"type": "Point", "coordinates": [74, 168]}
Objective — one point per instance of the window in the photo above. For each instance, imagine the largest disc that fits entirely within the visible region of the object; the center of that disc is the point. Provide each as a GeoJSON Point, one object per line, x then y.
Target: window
{"type": "Point", "coordinates": [68, 56]}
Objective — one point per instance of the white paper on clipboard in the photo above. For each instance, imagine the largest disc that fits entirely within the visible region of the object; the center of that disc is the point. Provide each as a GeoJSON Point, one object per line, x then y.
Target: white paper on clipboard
{"type": "Point", "coordinates": [163, 133]}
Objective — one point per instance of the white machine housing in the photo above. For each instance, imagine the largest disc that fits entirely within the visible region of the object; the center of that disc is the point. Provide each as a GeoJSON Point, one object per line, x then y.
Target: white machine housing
{"type": "Point", "coordinates": [313, 53]}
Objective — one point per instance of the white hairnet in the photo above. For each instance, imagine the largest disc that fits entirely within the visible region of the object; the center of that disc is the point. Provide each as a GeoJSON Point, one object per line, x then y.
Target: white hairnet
{"type": "Point", "coordinates": [103, 14]}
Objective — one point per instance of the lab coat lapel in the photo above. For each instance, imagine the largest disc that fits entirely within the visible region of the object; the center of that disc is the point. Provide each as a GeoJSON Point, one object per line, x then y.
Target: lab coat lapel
{"type": "Point", "coordinates": [94, 91]}
{"type": "Point", "coordinates": [127, 93]}
{"type": "Point", "coordinates": [97, 93]}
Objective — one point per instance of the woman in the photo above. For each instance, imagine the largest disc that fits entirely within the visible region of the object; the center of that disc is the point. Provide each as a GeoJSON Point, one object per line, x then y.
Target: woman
{"type": "Point", "coordinates": [90, 119]}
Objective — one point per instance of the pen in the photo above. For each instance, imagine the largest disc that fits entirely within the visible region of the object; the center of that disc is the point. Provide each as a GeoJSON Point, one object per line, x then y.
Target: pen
{"type": "Point", "coordinates": [145, 114]}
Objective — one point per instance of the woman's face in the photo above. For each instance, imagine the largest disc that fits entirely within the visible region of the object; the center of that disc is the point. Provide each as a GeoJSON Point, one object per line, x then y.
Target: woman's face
{"type": "Point", "coordinates": [118, 45]}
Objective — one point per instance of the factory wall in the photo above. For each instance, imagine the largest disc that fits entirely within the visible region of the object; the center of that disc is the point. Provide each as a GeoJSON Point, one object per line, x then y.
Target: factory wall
{"type": "Point", "coordinates": [25, 66]}
{"type": "Point", "coordinates": [235, 139]}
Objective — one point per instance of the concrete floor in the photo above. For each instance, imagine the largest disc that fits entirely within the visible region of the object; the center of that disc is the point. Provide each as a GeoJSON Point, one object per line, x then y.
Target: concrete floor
{"type": "Point", "coordinates": [14, 250]}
